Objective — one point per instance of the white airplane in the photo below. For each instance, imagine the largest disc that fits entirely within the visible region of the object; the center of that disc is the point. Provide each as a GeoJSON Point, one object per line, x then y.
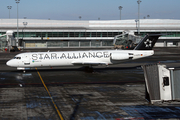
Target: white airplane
{"type": "Point", "coordinates": [24, 61]}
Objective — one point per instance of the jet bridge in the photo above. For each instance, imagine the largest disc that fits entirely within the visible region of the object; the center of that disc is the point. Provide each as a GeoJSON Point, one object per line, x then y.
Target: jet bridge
{"type": "Point", "coordinates": [7, 41]}
{"type": "Point", "coordinates": [126, 40]}
{"type": "Point", "coordinates": [162, 83]}
{"type": "Point", "coordinates": [3, 42]}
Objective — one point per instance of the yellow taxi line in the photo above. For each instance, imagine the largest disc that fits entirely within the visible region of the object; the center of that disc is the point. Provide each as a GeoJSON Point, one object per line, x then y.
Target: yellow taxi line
{"type": "Point", "coordinates": [60, 116]}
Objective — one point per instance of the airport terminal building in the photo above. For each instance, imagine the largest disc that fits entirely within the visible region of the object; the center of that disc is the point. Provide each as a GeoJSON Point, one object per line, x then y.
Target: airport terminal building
{"type": "Point", "coordinates": [87, 34]}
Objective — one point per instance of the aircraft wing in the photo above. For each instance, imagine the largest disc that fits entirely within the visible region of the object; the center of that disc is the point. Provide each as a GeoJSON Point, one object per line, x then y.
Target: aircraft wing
{"type": "Point", "coordinates": [89, 63]}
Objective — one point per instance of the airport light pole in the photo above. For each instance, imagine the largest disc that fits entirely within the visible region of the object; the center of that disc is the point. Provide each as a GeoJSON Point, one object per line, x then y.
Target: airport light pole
{"type": "Point", "coordinates": [136, 24]}
{"type": "Point", "coordinates": [9, 7]}
{"type": "Point", "coordinates": [17, 1]}
{"type": "Point", "coordinates": [24, 23]}
{"type": "Point", "coordinates": [148, 16]}
{"type": "Point", "coordinates": [120, 8]}
{"type": "Point", "coordinates": [139, 1]}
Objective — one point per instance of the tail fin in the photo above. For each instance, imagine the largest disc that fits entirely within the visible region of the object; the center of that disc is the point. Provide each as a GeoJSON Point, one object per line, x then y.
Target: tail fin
{"type": "Point", "coordinates": [148, 42]}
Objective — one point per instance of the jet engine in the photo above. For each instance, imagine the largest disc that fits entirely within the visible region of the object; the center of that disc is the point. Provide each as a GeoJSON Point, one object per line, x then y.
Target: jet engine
{"type": "Point", "coordinates": [121, 56]}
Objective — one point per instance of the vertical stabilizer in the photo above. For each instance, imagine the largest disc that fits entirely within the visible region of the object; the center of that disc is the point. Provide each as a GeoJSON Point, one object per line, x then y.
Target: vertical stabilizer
{"type": "Point", "coordinates": [148, 42]}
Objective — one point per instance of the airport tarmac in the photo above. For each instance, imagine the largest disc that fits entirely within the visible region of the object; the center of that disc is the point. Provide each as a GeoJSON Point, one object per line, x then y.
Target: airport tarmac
{"type": "Point", "coordinates": [114, 92]}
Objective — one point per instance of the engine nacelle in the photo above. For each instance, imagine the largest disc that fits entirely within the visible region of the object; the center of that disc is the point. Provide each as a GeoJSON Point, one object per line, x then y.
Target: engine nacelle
{"type": "Point", "coordinates": [121, 56]}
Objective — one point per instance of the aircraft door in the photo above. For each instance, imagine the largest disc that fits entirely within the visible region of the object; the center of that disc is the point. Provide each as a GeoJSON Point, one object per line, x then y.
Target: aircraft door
{"type": "Point", "coordinates": [26, 59]}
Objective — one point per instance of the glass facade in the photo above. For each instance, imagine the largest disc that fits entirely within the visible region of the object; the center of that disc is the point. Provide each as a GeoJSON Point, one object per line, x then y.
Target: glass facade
{"type": "Point", "coordinates": [1, 33]}
{"type": "Point", "coordinates": [68, 43]}
{"type": "Point", "coordinates": [67, 34]}
{"type": "Point", "coordinates": [166, 34]}
{"type": "Point", "coordinates": [85, 43]}
{"type": "Point", "coordinates": [3, 43]}
{"type": "Point", "coordinates": [77, 39]}
{"type": "Point", "coordinates": [54, 43]}
{"type": "Point", "coordinates": [95, 43]}
{"type": "Point", "coordinates": [86, 34]}
{"type": "Point", "coordinates": [107, 43]}
{"type": "Point", "coordinates": [73, 43]}
{"type": "Point", "coordinates": [60, 44]}
{"type": "Point", "coordinates": [35, 44]}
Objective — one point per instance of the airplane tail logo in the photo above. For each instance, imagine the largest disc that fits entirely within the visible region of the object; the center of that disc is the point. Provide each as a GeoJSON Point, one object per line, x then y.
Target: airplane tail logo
{"type": "Point", "coordinates": [148, 42]}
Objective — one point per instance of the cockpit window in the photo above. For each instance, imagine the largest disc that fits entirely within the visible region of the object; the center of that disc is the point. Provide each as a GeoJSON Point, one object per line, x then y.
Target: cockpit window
{"type": "Point", "coordinates": [17, 58]}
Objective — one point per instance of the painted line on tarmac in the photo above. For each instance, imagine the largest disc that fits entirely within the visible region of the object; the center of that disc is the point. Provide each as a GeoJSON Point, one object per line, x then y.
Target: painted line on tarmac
{"type": "Point", "coordinates": [60, 116]}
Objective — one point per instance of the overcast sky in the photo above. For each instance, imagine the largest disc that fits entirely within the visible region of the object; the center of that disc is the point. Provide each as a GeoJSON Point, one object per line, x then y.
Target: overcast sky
{"type": "Point", "coordinates": [91, 9]}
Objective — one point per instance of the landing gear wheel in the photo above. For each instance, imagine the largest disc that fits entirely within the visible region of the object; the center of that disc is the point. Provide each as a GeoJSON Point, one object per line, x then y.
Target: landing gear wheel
{"type": "Point", "coordinates": [89, 69]}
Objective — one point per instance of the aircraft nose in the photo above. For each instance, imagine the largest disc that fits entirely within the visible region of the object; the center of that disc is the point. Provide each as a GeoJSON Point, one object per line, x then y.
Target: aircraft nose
{"type": "Point", "coordinates": [9, 63]}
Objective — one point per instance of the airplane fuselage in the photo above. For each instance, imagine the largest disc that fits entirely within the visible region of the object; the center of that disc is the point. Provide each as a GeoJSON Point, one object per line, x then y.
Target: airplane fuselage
{"type": "Point", "coordinates": [72, 58]}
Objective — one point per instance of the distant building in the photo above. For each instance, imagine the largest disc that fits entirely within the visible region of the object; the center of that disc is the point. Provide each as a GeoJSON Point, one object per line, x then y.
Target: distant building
{"type": "Point", "coordinates": [75, 34]}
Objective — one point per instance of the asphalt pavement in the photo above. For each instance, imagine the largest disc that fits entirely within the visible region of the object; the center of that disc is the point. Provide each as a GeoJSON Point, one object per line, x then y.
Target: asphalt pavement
{"type": "Point", "coordinates": [114, 92]}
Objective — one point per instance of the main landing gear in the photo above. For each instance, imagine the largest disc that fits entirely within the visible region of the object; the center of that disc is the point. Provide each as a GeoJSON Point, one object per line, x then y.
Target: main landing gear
{"type": "Point", "coordinates": [89, 69]}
